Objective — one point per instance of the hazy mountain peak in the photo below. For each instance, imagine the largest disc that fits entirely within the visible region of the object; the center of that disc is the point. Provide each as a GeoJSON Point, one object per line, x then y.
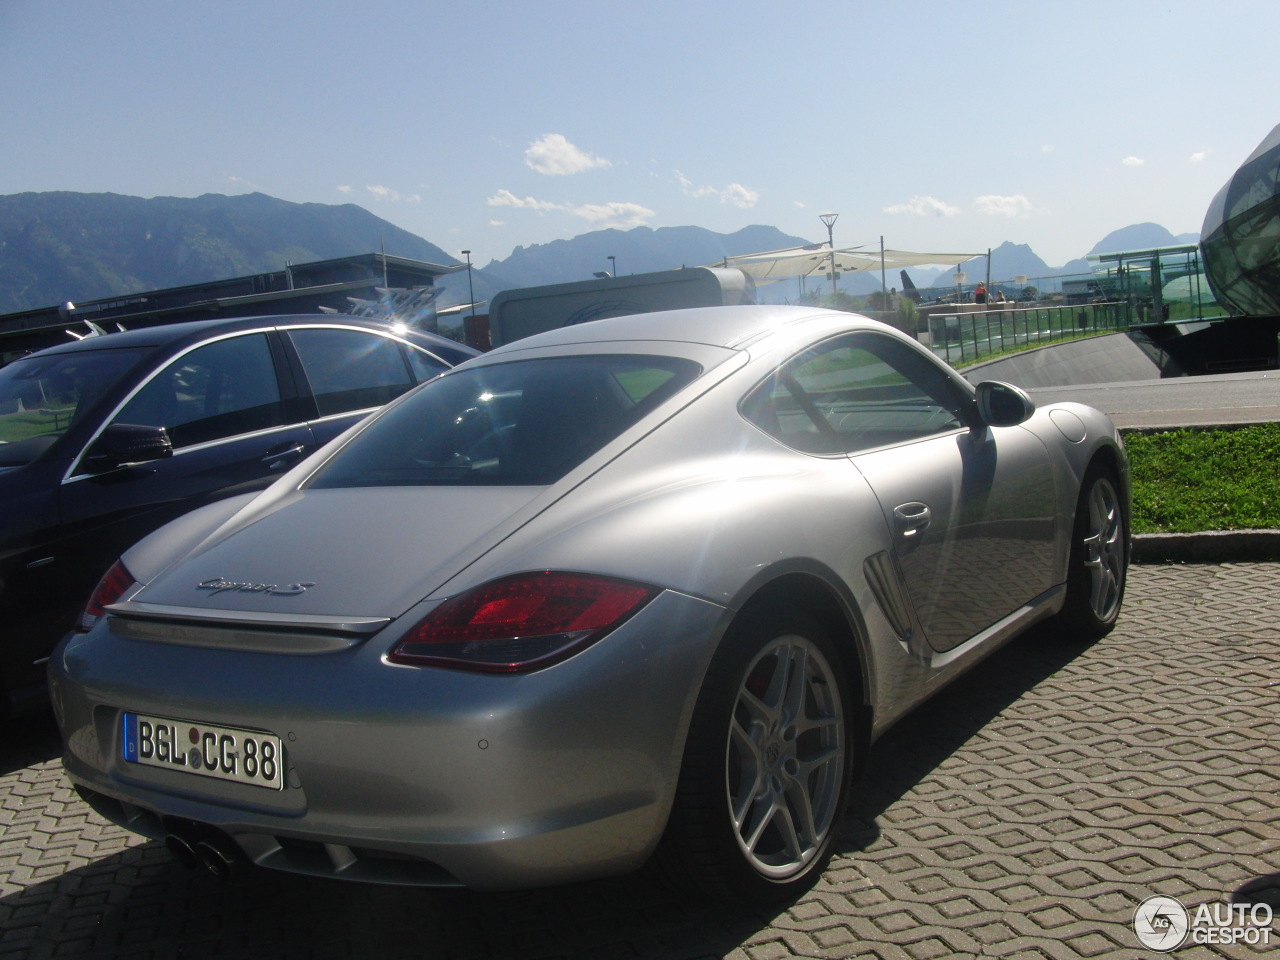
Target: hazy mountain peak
{"type": "Point", "coordinates": [1140, 236]}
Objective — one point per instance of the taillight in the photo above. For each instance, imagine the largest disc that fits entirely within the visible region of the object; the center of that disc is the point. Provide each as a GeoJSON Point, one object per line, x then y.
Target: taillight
{"type": "Point", "coordinates": [522, 622]}
{"type": "Point", "coordinates": [114, 584]}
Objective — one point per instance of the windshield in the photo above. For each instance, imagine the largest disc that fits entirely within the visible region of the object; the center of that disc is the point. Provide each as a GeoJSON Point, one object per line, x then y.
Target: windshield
{"type": "Point", "coordinates": [41, 397]}
{"type": "Point", "coordinates": [525, 422]}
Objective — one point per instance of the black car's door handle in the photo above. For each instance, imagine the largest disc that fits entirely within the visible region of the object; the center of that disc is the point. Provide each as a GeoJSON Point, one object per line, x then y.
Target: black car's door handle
{"type": "Point", "coordinates": [910, 519]}
{"type": "Point", "coordinates": [278, 458]}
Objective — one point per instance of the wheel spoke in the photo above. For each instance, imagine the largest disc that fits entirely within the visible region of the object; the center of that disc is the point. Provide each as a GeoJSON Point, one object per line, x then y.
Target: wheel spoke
{"type": "Point", "coordinates": [751, 773]}
{"type": "Point", "coordinates": [764, 811]}
{"type": "Point", "coordinates": [794, 664]}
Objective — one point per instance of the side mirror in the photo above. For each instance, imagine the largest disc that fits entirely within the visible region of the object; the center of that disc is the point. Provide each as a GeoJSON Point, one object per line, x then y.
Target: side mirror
{"type": "Point", "coordinates": [1003, 404]}
{"type": "Point", "coordinates": [127, 443]}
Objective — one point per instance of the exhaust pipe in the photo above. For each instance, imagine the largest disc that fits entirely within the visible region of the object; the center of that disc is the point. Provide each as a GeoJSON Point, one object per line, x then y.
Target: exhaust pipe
{"type": "Point", "coordinates": [220, 856]}
{"type": "Point", "coordinates": [204, 848]}
{"type": "Point", "coordinates": [182, 851]}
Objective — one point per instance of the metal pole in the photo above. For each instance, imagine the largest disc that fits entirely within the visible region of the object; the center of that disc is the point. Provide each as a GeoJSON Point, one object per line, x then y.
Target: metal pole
{"type": "Point", "coordinates": [884, 292]}
{"type": "Point", "coordinates": [471, 290]}
{"type": "Point", "coordinates": [830, 220]}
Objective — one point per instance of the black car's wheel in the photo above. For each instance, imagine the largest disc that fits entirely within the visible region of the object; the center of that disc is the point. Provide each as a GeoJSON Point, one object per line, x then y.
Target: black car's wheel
{"type": "Point", "coordinates": [766, 765]}
{"type": "Point", "coordinates": [1099, 560]}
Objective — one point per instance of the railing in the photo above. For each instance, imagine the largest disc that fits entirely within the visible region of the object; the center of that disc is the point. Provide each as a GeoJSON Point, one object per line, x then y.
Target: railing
{"type": "Point", "coordinates": [967, 337]}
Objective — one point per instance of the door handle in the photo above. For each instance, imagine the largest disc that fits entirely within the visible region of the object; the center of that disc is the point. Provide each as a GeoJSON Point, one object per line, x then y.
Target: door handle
{"type": "Point", "coordinates": [278, 457]}
{"type": "Point", "coordinates": [910, 519]}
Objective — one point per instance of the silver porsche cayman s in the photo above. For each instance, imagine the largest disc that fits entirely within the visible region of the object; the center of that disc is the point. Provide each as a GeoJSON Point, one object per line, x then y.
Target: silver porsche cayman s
{"type": "Point", "coordinates": [639, 590]}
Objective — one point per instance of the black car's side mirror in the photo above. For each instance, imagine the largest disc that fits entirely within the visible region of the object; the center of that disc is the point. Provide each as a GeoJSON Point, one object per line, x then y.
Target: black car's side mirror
{"type": "Point", "coordinates": [126, 443]}
{"type": "Point", "coordinates": [1003, 404]}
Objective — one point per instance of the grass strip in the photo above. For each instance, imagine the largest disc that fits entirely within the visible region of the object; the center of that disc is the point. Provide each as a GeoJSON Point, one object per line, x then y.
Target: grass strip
{"type": "Point", "coordinates": [1186, 481]}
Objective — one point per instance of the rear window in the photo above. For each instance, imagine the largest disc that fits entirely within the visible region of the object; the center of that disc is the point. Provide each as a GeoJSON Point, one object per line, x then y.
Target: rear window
{"type": "Point", "coordinates": [525, 422]}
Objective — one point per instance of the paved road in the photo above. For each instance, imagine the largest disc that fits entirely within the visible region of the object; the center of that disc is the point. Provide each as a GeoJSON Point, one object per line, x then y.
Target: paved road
{"type": "Point", "coordinates": [1179, 401]}
{"type": "Point", "coordinates": [1023, 813]}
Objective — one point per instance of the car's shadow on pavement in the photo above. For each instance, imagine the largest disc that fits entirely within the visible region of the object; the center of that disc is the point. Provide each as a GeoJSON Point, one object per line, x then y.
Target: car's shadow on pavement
{"type": "Point", "coordinates": [914, 747]}
{"type": "Point", "coordinates": [139, 902]}
{"type": "Point", "coordinates": [28, 740]}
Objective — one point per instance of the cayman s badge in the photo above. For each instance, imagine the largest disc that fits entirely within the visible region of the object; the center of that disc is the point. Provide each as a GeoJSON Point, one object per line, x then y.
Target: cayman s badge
{"type": "Point", "coordinates": [222, 585]}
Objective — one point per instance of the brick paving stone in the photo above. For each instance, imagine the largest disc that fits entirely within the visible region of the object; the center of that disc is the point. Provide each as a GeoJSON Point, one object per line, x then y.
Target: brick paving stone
{"type": "Point", "coordinates": [1023, 813]}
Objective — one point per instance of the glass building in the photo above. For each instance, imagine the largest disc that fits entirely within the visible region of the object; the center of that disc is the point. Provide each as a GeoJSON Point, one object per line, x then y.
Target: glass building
{"type": "Point", "coordinates": [1165, 284]}
{"type": "Point", "coordinates": [1241, 235]}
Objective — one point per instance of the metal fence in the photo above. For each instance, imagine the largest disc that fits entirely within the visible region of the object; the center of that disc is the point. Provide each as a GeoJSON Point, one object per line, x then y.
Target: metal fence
{"type": "Point", "coordinates": [967, 337]}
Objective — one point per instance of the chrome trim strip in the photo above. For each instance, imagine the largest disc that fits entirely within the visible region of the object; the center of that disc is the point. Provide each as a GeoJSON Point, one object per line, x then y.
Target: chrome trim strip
{"type": "Point", "coordinates": [133, 609]}
{"type": "Point", "coordinates": [251, 641]}
{"type": "Point", "coordinates": [1047, 603]}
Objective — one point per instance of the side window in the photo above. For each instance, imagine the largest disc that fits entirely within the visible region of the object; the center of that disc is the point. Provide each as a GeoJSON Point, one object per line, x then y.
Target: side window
{"type": "Point", "coordinates": [856, 393]}
{"type": "Point", "coordinates": [351, 369]}
{"type": "Point", "coordinates": [424, 365]}
{"type": "Point", "coordinates": [219, 390]}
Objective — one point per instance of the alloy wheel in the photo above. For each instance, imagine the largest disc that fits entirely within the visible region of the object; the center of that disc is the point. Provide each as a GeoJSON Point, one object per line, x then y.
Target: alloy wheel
{"type": "Point", "coordinates": [785, 760]}
{"type": "Point", "coordinates": [1104, 550]}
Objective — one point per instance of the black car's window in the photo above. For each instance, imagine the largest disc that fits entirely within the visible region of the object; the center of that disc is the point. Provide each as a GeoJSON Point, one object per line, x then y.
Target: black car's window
{"type": "Point", "coordinates": [423, 364]}
{"type": "Point", "coordinates": [219, 390]}
{"type": "Point", "coordinates": [351, 369]}
{"type": "Point", "coordinates": [41, 397]}
{"type": "Point", "coordinates": [854, 393]}
{"type": "Point", "coordinates": [524, 422]}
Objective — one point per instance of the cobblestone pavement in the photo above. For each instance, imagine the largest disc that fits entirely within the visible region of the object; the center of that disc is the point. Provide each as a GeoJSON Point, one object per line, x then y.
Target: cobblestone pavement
{"type": "Point", "coordinates": [1024, 813]}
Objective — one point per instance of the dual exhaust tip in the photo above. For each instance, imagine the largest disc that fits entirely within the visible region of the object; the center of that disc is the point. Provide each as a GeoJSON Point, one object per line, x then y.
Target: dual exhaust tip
{"type": "Point", "coordinates": [204, 849]}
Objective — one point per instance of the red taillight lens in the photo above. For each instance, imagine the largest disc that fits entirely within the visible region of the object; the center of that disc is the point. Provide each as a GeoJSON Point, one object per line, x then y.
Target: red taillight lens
{"type": "Point", "coordinates": [521, 623]}
{"type": "Point", "coordinates": [114, 584]}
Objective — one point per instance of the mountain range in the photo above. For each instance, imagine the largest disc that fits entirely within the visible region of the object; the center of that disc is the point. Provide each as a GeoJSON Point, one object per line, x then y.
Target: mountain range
{"type": "Point", "coordinates": [61, 246]}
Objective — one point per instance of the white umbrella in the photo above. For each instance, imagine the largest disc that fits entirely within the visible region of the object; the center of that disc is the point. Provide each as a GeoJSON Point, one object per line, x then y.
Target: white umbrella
{"type": "Point", "coordinates": [808, 260]}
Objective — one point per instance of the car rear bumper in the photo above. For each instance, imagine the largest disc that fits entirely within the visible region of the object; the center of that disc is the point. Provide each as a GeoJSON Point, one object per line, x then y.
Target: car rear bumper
{"type": "Point", "coordinates": [405, 774]}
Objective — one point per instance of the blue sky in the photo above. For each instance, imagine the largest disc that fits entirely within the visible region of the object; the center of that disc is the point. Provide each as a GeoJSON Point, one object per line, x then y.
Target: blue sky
{"type": "Point", "coordinates": [491, 124]}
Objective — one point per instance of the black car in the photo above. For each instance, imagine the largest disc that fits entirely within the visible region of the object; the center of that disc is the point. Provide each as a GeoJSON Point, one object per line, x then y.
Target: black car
{"type": "Point", "coordinates": [105, 439]}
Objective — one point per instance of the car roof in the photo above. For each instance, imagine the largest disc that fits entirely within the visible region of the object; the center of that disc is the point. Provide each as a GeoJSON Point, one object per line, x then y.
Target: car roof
{"type": "Point", "coordinates": [732, 327]}
{"type": "Point", "coordinates": [193, 330]}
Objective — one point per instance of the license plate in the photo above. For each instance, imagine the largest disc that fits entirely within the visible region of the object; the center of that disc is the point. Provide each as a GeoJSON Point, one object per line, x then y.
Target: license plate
{"type": "Point", "coordinates": [224, 753]}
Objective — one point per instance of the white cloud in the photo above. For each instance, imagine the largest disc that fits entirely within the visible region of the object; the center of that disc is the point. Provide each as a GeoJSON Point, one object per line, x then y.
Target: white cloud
{"type": "Point", "coordinates": [1048, 148]}
{"type": "Point", "coordinates": [1133, 161]}
{"type": "Point", "coordinates": [345, 188]}
{"type": "Point", "coordinates": [735, 193]}
{"type": "Point", "coordinates": [924, 206]}
{"type": "Point", "coordinates": [618, 216]}
{"type": "Point", "coordinates": [393, 196]}
{"type": "Point", "coordinates": [739, 196]}
{"type": "Point", "coordinates": [497, 223]}
{"type": "Point", "coordinates": [993, 205]}
{"type": "Point", "coordinates": [1199, 156]}
{"type": "Point", "coordinates": [556, 156]}
{"type": "Point", "coordinates": [505, 198]}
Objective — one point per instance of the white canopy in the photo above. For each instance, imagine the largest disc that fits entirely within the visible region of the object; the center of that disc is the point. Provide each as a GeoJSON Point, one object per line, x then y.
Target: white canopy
{"type": "Point", "coordinates": [817, 259]}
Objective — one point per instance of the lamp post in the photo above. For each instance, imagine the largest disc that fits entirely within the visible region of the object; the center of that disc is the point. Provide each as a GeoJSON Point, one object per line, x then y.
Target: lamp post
{"type": "Point", "coordinates": [613, 266]}
{"type": "Point", "coordinates": [471, 290]}
{"type": "Point", "coordinates": [830, 220]}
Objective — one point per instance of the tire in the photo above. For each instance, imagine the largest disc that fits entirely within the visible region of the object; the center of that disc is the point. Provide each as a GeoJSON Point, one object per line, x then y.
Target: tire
{"type": "Point", "coordinates": [1099, 560]}
{"type": "Point", "coordinates": [765, 773]}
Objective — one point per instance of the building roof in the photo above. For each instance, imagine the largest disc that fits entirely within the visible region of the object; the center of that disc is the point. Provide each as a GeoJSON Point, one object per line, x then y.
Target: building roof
{"type": "Point", "coordinates": [298, 288]}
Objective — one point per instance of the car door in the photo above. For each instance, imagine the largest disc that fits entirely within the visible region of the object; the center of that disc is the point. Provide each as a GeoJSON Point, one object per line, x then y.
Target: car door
{"type": "Point", "coordinates": [233, 430]}
{"type": "Point", "coordinates": [970, 508]}
{"type": "Point", "coordinates": [351, 373]}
